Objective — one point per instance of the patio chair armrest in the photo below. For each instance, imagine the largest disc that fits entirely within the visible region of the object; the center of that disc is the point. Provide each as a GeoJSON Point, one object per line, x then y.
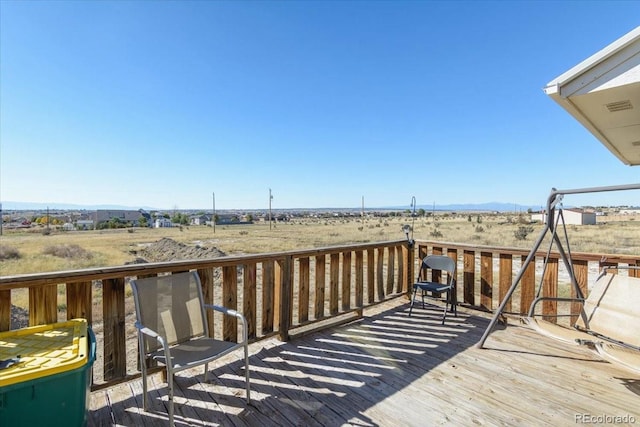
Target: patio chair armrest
{"type": "Point", "coordinates": [223, 310]}
{"type": "Point", "coordinates": [231, 312]}
{"type": "Point", "coordinates": [150, 332]}
{"type": "Point", "coordinates": [540, 299]}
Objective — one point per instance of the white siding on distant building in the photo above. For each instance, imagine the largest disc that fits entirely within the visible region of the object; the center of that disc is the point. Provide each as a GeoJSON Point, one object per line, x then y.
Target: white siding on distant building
{"type": "Point", "coordinates": [162, 222]}
{"type": "Point", "coordinates": [571, 216]}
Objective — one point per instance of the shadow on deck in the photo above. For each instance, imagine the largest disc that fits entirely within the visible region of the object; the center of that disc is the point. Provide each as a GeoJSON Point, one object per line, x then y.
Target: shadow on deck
{"type": "Point", "coordinates": [389, 369]}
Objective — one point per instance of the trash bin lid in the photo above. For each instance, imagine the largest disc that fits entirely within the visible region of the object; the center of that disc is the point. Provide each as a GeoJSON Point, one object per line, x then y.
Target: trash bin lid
{"type": "Point", "coordinates": [43, 350]}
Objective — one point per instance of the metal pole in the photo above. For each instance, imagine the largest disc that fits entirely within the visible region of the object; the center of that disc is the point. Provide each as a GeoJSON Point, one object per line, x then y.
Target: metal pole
{"type": "Point", "coordinates": [526, 263]}
{"type": "Point", "coordinates": [270, 199]}
{"type": "Point", "coordinates": [213, 217]}
{"type": "Point", "coordinates": [554, 198]}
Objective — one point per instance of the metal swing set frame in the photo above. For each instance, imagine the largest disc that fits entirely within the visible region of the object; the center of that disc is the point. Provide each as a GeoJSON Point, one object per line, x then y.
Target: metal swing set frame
{"type": "Point", "coordinates": [551, 226]}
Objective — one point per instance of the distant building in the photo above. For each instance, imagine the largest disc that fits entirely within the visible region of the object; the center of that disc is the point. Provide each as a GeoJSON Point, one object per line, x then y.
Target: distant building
{"type": "Point", "coordinates": [162, 223]}
{"type": "Point", "coordinates": [124, 216]}
{"type": "Point", "coordinates": [84, 224]}
{"type": "Point", "coordinates": [571, 216]}
{"type": "Point", "coordinates": [200, 219]}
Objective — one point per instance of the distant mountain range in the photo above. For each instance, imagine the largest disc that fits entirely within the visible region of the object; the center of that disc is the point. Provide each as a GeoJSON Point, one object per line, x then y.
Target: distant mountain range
{"type": "Point", "coordinates": [478, 207]}
{"type": "Point", "coordinates": [33, 206]}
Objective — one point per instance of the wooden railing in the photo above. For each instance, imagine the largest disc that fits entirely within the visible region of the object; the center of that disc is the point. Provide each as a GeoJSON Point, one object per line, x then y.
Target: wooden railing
{"type": "Point", "coordinates": [286, 293]}
{"type": "Point", "coordinates": [279, 293]}
{"type": "Point", "coordinates": [485, 274]}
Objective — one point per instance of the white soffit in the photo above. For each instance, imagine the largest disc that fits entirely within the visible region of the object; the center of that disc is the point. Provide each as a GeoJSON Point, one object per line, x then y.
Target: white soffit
{"type": "Point", "coordinates": [603, 94]}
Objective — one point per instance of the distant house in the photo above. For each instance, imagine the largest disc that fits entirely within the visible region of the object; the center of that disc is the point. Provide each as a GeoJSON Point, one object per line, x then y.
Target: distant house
{"type": "Point", "coordinates": [571, 216]}
{"type": "Point", "coordinates": [125, 216]}
{"type": "Point", "coordinates": [200, 219]}
{"type": "Point", "coordinates": [162, 223]}
{"type": "Point", "coordinates": [84, 224]}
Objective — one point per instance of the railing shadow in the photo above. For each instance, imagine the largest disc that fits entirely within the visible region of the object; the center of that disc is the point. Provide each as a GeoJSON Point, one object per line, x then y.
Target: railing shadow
{"type": "Point", "coordinates": [332, 377]}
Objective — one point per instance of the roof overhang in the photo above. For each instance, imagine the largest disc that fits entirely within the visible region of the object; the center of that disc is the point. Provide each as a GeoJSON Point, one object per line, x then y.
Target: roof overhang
{"type": "Point", "coordinates": [603, 94]}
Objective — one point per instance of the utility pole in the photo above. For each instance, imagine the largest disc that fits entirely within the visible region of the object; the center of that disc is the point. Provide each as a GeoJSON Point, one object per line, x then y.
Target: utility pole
{"type": "Point", "coordinates": [270, 199]}
{"type": "Point", "coordinates": [213, 217]}
{"type": "Point", "coordinates": [362, 211]}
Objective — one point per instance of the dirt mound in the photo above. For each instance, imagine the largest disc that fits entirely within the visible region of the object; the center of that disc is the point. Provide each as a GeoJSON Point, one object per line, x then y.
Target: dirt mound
{"type": "Point", "coordinates": [169, 250]}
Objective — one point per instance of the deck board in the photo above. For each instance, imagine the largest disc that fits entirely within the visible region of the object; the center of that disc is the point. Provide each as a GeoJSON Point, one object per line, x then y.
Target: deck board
{"type": "Point", "coordinates": [390, 369]}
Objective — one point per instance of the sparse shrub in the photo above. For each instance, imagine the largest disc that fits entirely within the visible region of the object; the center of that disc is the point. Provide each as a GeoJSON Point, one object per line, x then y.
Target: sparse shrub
{"type": "Point", "coordinates": [7, 252]}
{"type": "Point", "coordinates": [436, 233]}
{"type": "Point", "coordinates": [67, 251]}
{"type": "Point", "coordinates": [360, 228]}
{"type": "Point", "coordinates": [522, 232]}
{"type": "Point", "coordinates": [479, 229]}
{"type": "Point", "coordinates": [244, 232]}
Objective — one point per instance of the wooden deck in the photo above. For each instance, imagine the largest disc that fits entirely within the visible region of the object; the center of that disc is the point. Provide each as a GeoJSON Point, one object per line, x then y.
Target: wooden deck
{"type": "Point", "coordinates": [389, 369]}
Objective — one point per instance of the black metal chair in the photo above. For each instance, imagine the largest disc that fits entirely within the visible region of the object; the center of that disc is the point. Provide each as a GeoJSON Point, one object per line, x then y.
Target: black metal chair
{"type": "Point", "coordinates": [435, 289]}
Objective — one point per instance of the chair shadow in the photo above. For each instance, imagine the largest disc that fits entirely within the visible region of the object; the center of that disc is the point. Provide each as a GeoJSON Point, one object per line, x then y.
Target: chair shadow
{"type": "Point", "coordinates": [330, 377]}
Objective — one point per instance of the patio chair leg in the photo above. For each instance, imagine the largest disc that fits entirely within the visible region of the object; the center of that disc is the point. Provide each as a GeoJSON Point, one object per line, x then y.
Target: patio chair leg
{"type": "Point", "coordinates": [170, 395]}
{"type": "Point", "coordinates": [246, 371]}
{"type": "Point", "coordinates": [444, 315]}
{"type": "Point", "coordinates": [413, 299]}
{"type": "Point", "coordinates": [206, 372]}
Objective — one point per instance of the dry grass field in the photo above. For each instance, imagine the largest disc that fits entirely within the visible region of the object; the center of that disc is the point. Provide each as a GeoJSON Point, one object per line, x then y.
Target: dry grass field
{"type": "Point", "coordinates": [30, 251]}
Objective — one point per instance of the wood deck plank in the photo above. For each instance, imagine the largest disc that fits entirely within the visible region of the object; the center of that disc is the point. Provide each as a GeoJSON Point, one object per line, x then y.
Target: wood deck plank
{"type": "Point", "coordinates": [390, 369]}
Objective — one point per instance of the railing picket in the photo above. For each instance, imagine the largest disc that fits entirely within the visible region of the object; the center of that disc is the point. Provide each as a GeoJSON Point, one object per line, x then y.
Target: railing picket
{"type": "Point", "coordinates": [528, 288]}
{"type": "Point", "coordinates": [391, 262]}
{"type": "Point", "coordinates": [469, 277]}
{"type": "Point", "coordinates": [550, 289]}
{"type": "Point", "coordinates": [303, 284]}
{"type": "Point", "coordinates": [486, 280]}
{"type": "Point", "coordinates": [114, 340]}
{"type": "Point", "coordinates": [284, 296]}
{"type": "Point", "coordinates": [79, 301]}
{"type": "Point", "coordinates": [334, 278]}
{"type": "Point", "coordinates": [320, 285]}
{"type": "Point", "coordinates": [504, 278]}
{"type": "Point", "coordinates": [371, 276]}
{"type": "Point", "coordinates": [400, 276]}
{"type": "Point", "coordinates": [346, 281]}
{"type": "Point", "coordinates": [249, 298]}
{"type": "Point", "coordinates": [43, 305]}
{"type": "Point", "coordinates": [268, 280]}
{"type": "Point", "coordinates": [5, 310]}
{"type": "Point", "coordinates": [581, 271]}
{"type": "Point", "coordinates": [380, 273]}
{"type": "Point", "coordinates": [230, 300]}
{"type": "Point", "coordinates": [359, 280]}
{"type": "Point", "coordinates": [207, 282]}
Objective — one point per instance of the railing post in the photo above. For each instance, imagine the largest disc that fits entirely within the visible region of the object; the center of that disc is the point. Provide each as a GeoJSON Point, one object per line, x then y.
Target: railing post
{"type": "Point", "coordinates": [115, 354]}
{"type": "Point", "coordinates": [5, 310]}
{"type": "Point", "coordinates": [409, 260]}
{"type": "Point", "coordinates": [284, 297]}
{"type": "Point", "coordinates": [230, 300]}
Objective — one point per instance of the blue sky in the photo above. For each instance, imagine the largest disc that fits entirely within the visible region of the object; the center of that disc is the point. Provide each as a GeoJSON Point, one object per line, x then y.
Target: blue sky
{"type": "Point", "coordinates": [163, 103]}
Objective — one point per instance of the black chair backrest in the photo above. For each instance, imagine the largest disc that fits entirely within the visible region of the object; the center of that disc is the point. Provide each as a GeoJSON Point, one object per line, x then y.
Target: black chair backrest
{"type": "Point", "coordinates": [441, 263]}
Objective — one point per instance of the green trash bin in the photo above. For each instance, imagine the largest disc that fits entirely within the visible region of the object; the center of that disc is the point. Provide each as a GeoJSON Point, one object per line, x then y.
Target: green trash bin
{"type": "Point", "coordinates": [51, 381]}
